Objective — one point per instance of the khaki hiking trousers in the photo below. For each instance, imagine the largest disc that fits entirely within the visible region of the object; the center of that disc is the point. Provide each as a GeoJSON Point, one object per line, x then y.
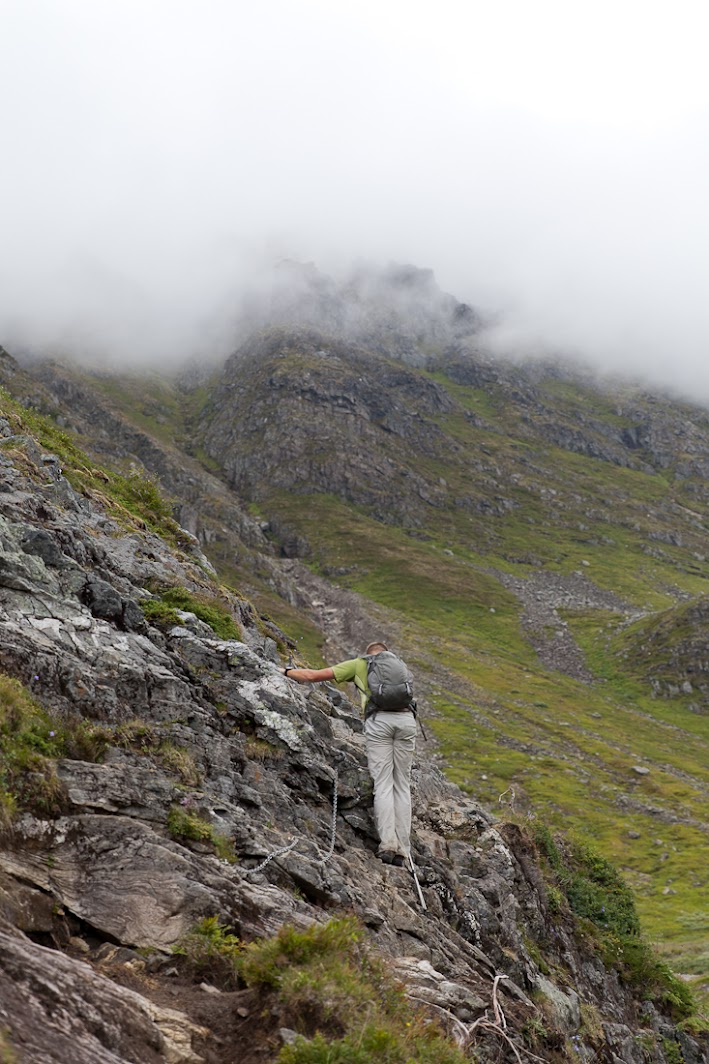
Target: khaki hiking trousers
{"type": "Point", "coordinates": [391, 740]}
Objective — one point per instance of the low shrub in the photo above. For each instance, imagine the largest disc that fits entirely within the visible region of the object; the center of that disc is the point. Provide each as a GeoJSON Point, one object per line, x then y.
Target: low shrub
{"type": "Point", "coordinates": [179, 762]}
{"type": "Point", "coordinates": [187, 826]}
{"type": "Point", "coordinates": [211, 951]}
{"type": "Point", "coordinates": [672, 1052]}
{"type": "Point", "coordinates": [344, 1003]}
{"type": "Point", "coordinates": [416, 1044]}
{"type": "Point", "coordinates": [324, 983]}
{"type": "Point", "coordinates": [266, 962]}
{"type": "Point", "coordinates": [31, 740]}
{"type": "Point", "coordinates": [136, 735]}
{"type": "Point", "coordinates": [606, 917]}
{"type": "Point", "coordinates": [140, 493]}
{"type": "Point", "coordinates": [162, 611]}
{"type": "Point", "coordinates": [160, 614]}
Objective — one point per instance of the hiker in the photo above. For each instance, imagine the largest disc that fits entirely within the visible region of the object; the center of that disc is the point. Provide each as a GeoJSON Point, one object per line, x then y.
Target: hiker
{"type": "Point", "coordinates": [391, 739]}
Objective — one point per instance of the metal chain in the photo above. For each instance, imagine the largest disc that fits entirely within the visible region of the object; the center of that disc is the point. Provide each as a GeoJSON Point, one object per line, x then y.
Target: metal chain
{"type": "Point", "coordinates": [287, 849]}
{"type": "Point", "coordinates": [330, 852]}
{"type": "Point", "coordinates": [276, 853]}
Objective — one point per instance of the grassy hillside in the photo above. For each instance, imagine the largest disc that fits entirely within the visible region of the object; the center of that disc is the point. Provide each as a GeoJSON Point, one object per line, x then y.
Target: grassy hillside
{"type": "Point", "coordinates": [605, 759]}
{"type": "Point", "coordinates": [515, 734]}
{"type": "Point", "coordinates": [525, 513]}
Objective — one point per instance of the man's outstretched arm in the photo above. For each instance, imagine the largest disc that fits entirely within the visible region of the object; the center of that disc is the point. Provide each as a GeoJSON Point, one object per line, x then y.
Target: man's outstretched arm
{"type": "Point", "coordinates": [309, 675]}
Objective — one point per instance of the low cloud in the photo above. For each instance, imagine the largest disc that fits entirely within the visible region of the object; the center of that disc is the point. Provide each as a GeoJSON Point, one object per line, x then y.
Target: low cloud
{"type": "Point", "coordinates": [159, 158]}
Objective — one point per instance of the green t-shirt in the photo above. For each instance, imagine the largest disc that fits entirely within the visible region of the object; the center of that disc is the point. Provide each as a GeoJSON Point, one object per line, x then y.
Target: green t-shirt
{"type": "Point", "coordinates": [355, 670]}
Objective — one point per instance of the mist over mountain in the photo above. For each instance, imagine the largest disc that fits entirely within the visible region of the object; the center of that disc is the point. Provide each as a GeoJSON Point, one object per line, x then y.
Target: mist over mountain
{"type": "Point", "coordinates": [323, 323]}
{"type": "Point", "coordinates": [397, 308]}
{"type": "Point", "coordinates": [550, 168]}
{"type": "Point", "coordinates": [529, 537]}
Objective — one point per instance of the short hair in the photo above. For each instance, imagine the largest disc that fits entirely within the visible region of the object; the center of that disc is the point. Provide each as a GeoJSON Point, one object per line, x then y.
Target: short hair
{"type": "Point", "coordinates": [374, 646]}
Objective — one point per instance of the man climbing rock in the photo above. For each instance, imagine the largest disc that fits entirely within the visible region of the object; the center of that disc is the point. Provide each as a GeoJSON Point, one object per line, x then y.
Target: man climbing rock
{"type": "Point", "coordinates": [390, 734]}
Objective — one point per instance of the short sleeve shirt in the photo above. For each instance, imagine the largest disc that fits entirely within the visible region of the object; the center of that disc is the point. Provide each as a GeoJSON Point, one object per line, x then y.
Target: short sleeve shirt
{"type": "Point", "coordinates": [354, 670]}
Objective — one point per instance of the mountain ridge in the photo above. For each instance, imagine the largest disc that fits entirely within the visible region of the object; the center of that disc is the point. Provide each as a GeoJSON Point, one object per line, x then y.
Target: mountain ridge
{"type": "Point", "coordinates": [542, 585]}
{"type": "Point", "coordinates": [121, 832]}
{"type": "Point", "coordinates": [548, 564]}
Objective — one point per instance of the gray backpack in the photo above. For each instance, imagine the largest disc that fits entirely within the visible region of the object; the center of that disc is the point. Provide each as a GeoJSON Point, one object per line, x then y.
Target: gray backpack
{"type": "Point", "coordinates": [390, 682]}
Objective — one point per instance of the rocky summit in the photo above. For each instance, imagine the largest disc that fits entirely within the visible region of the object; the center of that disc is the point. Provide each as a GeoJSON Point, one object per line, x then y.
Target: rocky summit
{"type": "Point", "coordinates": [188, 865]}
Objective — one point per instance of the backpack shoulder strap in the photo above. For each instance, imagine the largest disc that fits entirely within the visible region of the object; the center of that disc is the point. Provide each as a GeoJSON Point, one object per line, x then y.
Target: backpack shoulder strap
{"type": "Point", "coordinates": [357, 681]}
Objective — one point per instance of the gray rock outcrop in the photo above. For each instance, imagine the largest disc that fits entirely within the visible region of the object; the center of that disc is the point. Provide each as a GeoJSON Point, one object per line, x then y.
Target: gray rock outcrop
{"type": "Point", "coordinates": [199, 726]}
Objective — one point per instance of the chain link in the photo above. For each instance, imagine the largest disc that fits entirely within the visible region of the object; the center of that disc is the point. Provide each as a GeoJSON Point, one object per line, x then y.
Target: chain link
{"type": "Point", "coordinates": [330, 852]}
{"type": "Point", "coordinates": [291, 846]}
{"type": "Point", "coordinates": [276, 853]}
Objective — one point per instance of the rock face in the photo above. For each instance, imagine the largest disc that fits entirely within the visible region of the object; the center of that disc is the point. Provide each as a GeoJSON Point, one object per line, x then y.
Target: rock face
{"type": "Point", "coordinates": [306, 412]}
{"type": "Point", "coordinates": [334, 418]}
{"type": "Point", "coordinates": [670, 650]}
{"type": "Point", "coordinates": [632, 430]}
{"type": "Point", "coordinates": [397, 310]}
{"type": "Point", "coordinates": [60, 1009]}
{"type": "Point", "coordinates": [209, 728]}
{"type": "Point", "coordinates": [205, 507]}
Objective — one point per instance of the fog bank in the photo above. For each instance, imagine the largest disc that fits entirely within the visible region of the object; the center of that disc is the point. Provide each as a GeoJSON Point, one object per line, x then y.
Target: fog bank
{"type": "Point", "coordinates": [549, 162]}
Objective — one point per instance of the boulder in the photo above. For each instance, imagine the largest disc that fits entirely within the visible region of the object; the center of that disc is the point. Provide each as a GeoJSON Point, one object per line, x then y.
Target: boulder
{"type": "Point", "coordinates": [56, 1009]}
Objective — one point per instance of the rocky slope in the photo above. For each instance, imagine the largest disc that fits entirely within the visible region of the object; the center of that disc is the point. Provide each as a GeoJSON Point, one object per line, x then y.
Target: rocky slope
{"type": "Point", "coordinates": [300, 412]}
{"type": "Point", "coordinates": [156, 774]}
{"type": "Point", "coordinates": [530, 537]}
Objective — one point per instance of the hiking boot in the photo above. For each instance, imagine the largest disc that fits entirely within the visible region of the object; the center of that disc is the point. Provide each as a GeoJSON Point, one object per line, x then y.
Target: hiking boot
{"type": "Point", "coordinates": [391, 857]}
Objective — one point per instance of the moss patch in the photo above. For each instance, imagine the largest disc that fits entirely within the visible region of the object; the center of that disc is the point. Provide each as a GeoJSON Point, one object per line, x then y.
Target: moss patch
{"type": "Point", "coordinates": [31, 741]}
{"type": "Point", "coordinates": [162, 611]}
{"type": "Point", "coordinates": [189, 825]}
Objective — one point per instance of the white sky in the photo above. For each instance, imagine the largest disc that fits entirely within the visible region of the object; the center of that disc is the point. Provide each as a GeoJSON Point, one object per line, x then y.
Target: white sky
{"type": "Point", "coordinates": [547, 158]}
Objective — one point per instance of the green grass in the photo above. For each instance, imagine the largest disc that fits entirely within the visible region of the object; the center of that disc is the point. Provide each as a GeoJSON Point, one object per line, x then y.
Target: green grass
{"type": "Point", "coordinates": [324, 983]}
{"type": "Point", "coordinates": [187, 825]}
{"type": "Point", "coordinates": [162, 611]}
{"type": "Point", "coordinates": [151, 402]}
{"type": "Point", "coordinates": [592, 502]}
{"type": "Point", "coordinates": [7, 1052]}
{"type": "Point", "coordinates": [133, 500]}
{"type": "Point", "coordinates": [31, 740]}
{"type": "Point", "coordinates": [598, 896]}
{"type": "Point", "coordinates": [212, 951]}
{"type": "Point", "coordinates": [487, 403]}
{"type": "Point", "coordinates": [585, 400]}
{"type": "Point", "coordinates": [399, 572]}
{"type": "Point", "coordinates": [668, 646]}
{"type": "Point", "coordinates": [155, 404]}
{"type": "Point", "coordinates": [343, 1003]}
{"type": "Point", "coordinates": [160, 614]}
{"type": "Point", "coordinates": [149, 740]}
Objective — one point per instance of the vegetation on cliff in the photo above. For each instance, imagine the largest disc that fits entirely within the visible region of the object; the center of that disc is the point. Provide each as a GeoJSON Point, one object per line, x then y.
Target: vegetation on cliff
{"type": "Point", "coordinates": [476, 593]}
